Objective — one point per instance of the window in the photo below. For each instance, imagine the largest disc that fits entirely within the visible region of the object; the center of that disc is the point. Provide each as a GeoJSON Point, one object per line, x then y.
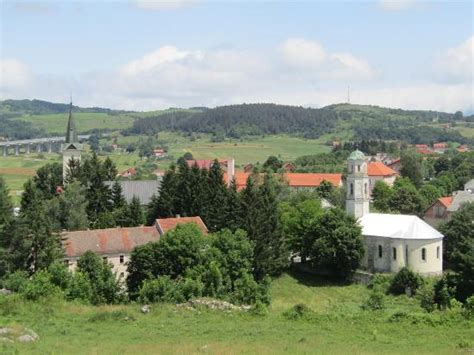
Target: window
{"type": "Point", "coordinates": [358, 168]}
{"type": "Point", "coordinates": [122, 275]}
{"type": "Point", "coordinates": [437, 252]}
{"type": "Point", "coordinates": [365, 189]}
{"type": "Point", "coordinates": [423, 254]}
{"type": "Point", "coordinates": [439, 211]}
{"type": "Point", "coordinates": [121, 259]}
{"type": "Point", "coordinates": [66, 262]}
{"type": "Point", "coordinates": [352, 189]}
{"type": "Point", "coordinates": [394, 251]}
{"type": "Point", "coordinates": [104, 259]}
{"type": "Point", "coordinates": [380, 251]}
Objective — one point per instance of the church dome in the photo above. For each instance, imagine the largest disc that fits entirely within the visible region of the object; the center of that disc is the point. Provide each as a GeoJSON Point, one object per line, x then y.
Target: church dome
{"type": "Point", "coordinates": [356, 155]}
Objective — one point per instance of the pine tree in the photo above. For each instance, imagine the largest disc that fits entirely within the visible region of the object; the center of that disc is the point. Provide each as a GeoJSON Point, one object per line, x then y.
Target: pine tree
{"type": "Point", "coordinates": [6, 218]}
{"type": "Point", "coordinates": [215, 199]}
{"type": "Point", "coordinates": [164, 205]}
{"type": "Point", "coordinates": [74, 204]}
{"type": "Point", "coordinates": [184, 198]}
{"type": "Point", "coordinates": [135, 216]}
{"type": "Point", "coordinates": [271, 253]}
{"type": "Point", "coordinates": [109, 168]}
{"type": "Point", "coordinates": [118, 201]}
{"type": "Point", "coordinates": [48, 178]}
{"type": "Point", "coordinates": [232, 207]}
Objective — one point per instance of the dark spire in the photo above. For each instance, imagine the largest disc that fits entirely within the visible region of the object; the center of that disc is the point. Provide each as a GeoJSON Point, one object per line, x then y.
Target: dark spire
{"type": "Point", "coordinates": [71, 134]}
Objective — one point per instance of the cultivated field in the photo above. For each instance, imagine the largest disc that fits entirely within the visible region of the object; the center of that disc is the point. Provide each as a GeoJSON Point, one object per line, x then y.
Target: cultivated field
{"type": "Point", "coordinates": [334, 324]}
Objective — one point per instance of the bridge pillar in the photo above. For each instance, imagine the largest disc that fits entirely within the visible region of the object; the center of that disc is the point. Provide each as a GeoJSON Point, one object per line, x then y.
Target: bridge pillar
{"type": "Point", "coordinates": [17, 149]}
{"type": "Point", "coordinates": [38, 148]}
{"type": "Point", "coordinates": [49, 146]}
{"type": "Point", "coordinates": [28, 148]}
{"type": "Point", "coordinates": [5, 150]}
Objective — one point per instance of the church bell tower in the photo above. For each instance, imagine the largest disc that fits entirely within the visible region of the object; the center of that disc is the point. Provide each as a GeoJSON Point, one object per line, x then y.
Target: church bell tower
{"type": "Point", "coordinates": [358, 193]}
{"type": "Point", "coordinates": [71, 149]}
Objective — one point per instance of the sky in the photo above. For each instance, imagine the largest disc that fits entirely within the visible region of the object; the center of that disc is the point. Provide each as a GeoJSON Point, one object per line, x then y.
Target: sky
{"type": "Point", "coordinates": [148, 55]}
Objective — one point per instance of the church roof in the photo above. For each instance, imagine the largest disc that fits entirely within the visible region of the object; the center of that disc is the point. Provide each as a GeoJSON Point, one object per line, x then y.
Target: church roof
{"type": "Point", "coordinates": [397, 226]}
{"type": "Point", "coordinates": [357, 155]}
{"type": "Point", "coordinates": [71, 133]}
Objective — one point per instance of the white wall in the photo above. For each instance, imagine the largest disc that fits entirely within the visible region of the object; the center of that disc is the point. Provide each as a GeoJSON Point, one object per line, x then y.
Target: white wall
{"type": "Point", "coordinates": [120, 269]}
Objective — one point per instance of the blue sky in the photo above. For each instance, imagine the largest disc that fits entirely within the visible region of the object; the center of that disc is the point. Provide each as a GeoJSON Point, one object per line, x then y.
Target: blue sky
{"type": "Point", "coordinates": [150, 54]}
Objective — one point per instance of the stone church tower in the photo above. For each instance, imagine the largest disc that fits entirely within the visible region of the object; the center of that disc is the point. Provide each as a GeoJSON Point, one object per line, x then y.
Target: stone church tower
{"type": "Point", "coordinates": [358, 190]}
{"type": "Point", "coordinates": [71, 149]}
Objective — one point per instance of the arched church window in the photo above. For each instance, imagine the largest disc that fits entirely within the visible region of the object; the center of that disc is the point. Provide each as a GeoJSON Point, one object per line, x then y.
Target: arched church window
{"type": "Point", "coordinates": [352, 189]}
{"type": "Point", "coordinates": [365, 189]}
{"type": "Point", "coordinates": [437, 252]}
{"type": "Point", "coordinates": [423, 254]}
{"type": "Point", "coordinates": [394, 251]}
{"type": "Point", "coordinates": [358, 168]}
{"type": "Point", "coordinates": [380, 251]}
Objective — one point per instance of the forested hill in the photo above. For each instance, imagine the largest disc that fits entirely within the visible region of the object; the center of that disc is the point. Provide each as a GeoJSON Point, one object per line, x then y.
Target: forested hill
{"type": "Point", "coordinates": [362, 122]}
{"type": "Point", "coordinates": [39, 107]}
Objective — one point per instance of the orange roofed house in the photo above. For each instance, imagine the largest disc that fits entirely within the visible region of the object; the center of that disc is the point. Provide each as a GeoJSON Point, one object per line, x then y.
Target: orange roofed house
{"type": "Point", "coordinates": [379, 171]}
{"type": "Point", "coordinates": [113, 244]}
{"type": "Point", "coordinates": [438, 211]}
{"type": "Point", "coordinates": [296, 181]}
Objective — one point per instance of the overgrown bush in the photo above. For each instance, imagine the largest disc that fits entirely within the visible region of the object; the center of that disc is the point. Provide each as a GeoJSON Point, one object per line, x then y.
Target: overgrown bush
{"type": "Point", "coordinates": [381, 282]}
{"type": "Point", "coordinates": [426, 296]}
{"type": "Point", "coordinates": [469, 307]}
{"type": "Point", "coordinates": [375, 301]}
{"type": "Point", "coordinates": [299, 311]}
{"type": "Point", "coordinates": [40, 286]}
{"type": "Point", "coordinates": [15, 281]}
{"type": "Point", "coordinates": [403, 280]}
{"type": "Point", "coordinates": [444, 291]}
{"type": "Point", "coordinates": [161, 289]}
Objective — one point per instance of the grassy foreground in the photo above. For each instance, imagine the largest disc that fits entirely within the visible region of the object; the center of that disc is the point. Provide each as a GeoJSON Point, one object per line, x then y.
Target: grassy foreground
{"type": "Point", "coordinates": [337, 325]}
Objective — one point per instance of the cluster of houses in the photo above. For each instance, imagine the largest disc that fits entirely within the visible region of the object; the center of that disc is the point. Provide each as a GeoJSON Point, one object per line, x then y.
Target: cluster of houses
{"type": "Point", "coordinates": [438, 148]}
{"type": "Point", "coordinates": [392, 241]}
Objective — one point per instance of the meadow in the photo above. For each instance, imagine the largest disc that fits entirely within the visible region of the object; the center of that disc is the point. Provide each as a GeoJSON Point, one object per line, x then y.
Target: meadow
{"type": "Point", "coordinates": [333, 323]}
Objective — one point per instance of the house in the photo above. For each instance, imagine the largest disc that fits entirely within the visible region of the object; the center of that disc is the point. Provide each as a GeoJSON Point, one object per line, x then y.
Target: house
{"type": "Point", "coordinates": [462, 148]}
{"type": "Point", "coordinates": [227, 165]}
{"type": "Point", "coordinates": [128, 173]}
{"type": "Point", "coordinates": [159, 153]}
{"type": "Point", "coordinates": [143, 189]}
{"type": "Point", "coordinates": [378, 171]}
{"type": "Point", "coordinates": [114, 245]}
{"type": "Point", "coordinates": [440, 147]}
{"type": "Point", "coordinates": [390, 241]}
{"type": "Point", "coordinates": [163, 225]}
{"type": "Point", "coordinates": [395, 165]}
{"type": "Point", "coordinates": [438, 211]}
{"type": "Point", "coordinates": [296, 181]}
{"type": "Point", "coordinates": [288, 167]}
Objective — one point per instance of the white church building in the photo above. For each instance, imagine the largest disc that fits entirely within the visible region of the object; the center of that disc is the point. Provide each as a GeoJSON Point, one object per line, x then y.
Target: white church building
{"type": "Point", "coordinates": [391, 241]}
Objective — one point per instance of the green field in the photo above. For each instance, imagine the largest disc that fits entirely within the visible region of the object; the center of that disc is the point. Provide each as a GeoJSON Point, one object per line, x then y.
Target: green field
{"type": "Point", "coordinates": [336, 325]}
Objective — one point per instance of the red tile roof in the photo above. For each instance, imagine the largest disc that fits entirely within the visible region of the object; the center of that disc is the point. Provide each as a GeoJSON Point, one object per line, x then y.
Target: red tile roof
{"type": "Point", "coordinates": [396, 161]}
{"type": "Point", "coordinates": [440, 145]}
{"type": "Point", "coordinates": [296, 179]}
{"type": "Point", "coordinates": [166, 224]}
{"type": "Point", "coordinates": [421, 146]}
{"type": "Point", "coordinates": [108, 241]}
{"type": "Point", "coordinates": [424, 151]}
{"type": "Point", "coordinates": [446, 201]}
{"type": "Point", "coordinates": [378, 168]}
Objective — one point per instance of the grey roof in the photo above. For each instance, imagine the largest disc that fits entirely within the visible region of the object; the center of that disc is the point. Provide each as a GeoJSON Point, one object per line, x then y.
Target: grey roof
{"type": "Point", "coordinates": [357, 155]}
{"type": "Point", "coordinates": [469, 185]}
{"type": "Point", "coordinates": [326, 204]}
{"type": "Point", "coordinates": [143, 189]}
{"type": "Point", "coordinates": [459, 198]}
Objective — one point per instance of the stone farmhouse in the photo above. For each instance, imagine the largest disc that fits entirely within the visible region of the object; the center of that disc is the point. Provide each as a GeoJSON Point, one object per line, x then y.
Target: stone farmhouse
{"type": "Point", "coordinates": [391, 241]}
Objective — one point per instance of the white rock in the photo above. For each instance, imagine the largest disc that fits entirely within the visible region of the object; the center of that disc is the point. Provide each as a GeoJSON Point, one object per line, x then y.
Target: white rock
{"type": "Point", "coordinates": [145, 309]}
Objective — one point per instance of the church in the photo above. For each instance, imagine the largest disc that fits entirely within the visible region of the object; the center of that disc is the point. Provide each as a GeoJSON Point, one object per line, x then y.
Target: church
{"type": "Point", "coordinates": [391, 241]}
{"type": "Point", "coordinates": [71, 149]}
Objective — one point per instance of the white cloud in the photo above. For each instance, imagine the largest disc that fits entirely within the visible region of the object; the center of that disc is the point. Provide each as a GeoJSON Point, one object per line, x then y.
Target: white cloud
{"type": "Point", "coordinates": [159, 5]}
{"type": "Point", "coordinates": [299, 52]}
{"type": "Point", "coordinates": [314, 60]}
{"type": "Point", "coordinates": [456, 64]}
{"type": "Point", "coordinates": [396, 5]}
{"type": "Point", "coordinates": [177, 77]}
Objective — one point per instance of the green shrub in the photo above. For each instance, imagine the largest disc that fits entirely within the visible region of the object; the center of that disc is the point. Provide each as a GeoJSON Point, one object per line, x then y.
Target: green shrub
{"type": "Point", "coordinates": [299, 311]}
{"type": "Point", "coordinates": [248, 291]}
{"type": "Point", "coordinates": [403, 280]}
{"type": "Point", "coordinates": [380, 281]}
{"type": "Point", "coordinates": [426, 296]}
{"type": "Point", "coordinates": [161, 289]}
{"type": "Point", "coordinates": [190, 288]}
{"type": "Point", "coordinates": [60, 275]}
{"type": "Point", "coordinates": [16, 281]}
{"type": "Point", "coordinates": [444, 291]}
{"type": "Point", "coordinates": [79, 288]}
{"type": "Point", "coordinates": [469, 307]}
{"type": "Point", "coordinates": [40, 286]}
{"type": "Point", "coordinates": [375, 301]}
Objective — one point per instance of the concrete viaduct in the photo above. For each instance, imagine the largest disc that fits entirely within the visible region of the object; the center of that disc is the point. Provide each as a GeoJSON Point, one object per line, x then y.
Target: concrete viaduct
{"type": "Point", "coordinates": [38, 145]}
